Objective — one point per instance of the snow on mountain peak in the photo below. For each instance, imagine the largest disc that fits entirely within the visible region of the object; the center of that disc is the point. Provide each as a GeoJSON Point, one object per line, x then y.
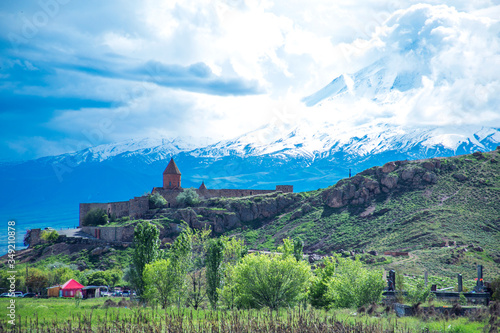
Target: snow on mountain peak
{"type": "Point", "coordinates": [428, 65]}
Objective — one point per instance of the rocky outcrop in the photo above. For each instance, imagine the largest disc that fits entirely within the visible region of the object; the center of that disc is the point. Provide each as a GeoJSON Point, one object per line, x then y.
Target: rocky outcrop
{"type": "Point", "coordinates": [224, 214]}
{"type": "Point", "coordinates": [392, 176]}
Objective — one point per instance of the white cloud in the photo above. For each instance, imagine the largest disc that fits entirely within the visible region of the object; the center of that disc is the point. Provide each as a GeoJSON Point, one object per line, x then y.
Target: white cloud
{"type": "Point", "coordinates": [291, 49]}
{"type": "Point", "coordinates": [445, 62]}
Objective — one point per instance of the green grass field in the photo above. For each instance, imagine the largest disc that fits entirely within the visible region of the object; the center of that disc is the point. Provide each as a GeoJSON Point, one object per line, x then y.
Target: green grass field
{"type": "Point", "coordinates": [65, 315]}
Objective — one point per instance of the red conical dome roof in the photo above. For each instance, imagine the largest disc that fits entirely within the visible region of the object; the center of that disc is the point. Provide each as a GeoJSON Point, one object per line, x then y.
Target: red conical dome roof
{"type": "Point", "coordinates": [172, 168]}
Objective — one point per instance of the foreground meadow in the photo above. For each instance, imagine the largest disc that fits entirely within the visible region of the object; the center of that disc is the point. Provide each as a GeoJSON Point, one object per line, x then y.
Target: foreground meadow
{"type": "Point", "coordinates": [120, 315]}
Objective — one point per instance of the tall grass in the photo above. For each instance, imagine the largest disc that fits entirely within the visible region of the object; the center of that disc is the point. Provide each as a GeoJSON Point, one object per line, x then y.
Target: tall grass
{"type": "Point", "coordinates": [108, 316]}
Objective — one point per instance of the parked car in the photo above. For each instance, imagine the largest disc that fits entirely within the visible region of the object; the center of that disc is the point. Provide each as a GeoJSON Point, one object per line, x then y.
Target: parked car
{"type": "Point", "coordinates": [126, 294]}
{"type": "Point", "coordinates": [30, 295]}
{"type": "Point", "coordinates": [117, 293]}
{"type": "Point", "coordinates": [5, 295]}
{"type": "Point", "coordinates": [18, 294]}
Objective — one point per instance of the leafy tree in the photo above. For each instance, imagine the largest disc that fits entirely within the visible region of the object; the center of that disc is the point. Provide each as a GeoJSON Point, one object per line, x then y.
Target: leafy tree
{"type": "Point", "coordinates": [49, 235]}
{"type": "Point", "coordinates": [417, 293]}
{"type": "Point", "coordinates": [272, 281]}
{"type": "Point", "coordinates": [114, 276]}
{"type": "Point", "coordinates": [95, 216]}
{"type": "Point", "coordinates": [98, 278]}
{"type": "Point", "coordinates": [146, 246]}
{"type": "Point", "coordinates": [298, 249]}
{"type": "Point", "coordinates": [319, 286]}
{"type": "Point", "coordinates": [399, 286]}
{"type": "Point", "coordinates": [196, 262]}
{"type": "Point", "coordinates": [160, 281]}
{"type": "Point", "coordinates": [60, 273]}
{"type": "Point", "coordinates": [156, 200]}
{"type": "Point", "coordinates": [180, 261]}
{"type": "Point", "coordinates": [214, 273]}
{"type": "Point", "coordinates": [36, 280]}
{"type": "Point", "coordinates": [234, 250]}
{"type": "Point", "coordinates": [188, 197]}
{"type": "Point", "coordinates": [351, 285]}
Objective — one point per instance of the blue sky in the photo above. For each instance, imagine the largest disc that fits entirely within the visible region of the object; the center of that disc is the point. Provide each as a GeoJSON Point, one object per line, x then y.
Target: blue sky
{"type": "Point", "coordinates": [81, 73]}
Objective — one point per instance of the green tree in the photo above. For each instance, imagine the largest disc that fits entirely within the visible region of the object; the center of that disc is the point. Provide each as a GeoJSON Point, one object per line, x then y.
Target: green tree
{"type": "Point", "coordinates": [417, 293]}
{"type": "Point", "coordinates": [160, 282]}
{"type": "Point", "coordinates": [146, 250]}
{"type": "Point", "coordinates": [196, 263]}
{"type": "Point", "coordinates": [234, 250]}
{"type": "Point", "coordinates": [298, 249]}
{"type": "Point", "coordinates": [273, 281]}
{"type": "Point", "coordinates": [98, 278]}
{"type": "Point", "coordinates": [319, 285]}
{"type": "Point", "coordinates": [96, 216]}
{"type": "Point", "coordinates": [352, 285]}
{"type": "Point", "coordinates": [36, 280]}
{"type": "Point", "coordinates": [188, 197]}
{"type": "Point", "coordinates": [49, 235]}
{"type": "Point", "coordinates": [214, 273]}
{"type": "Point", "coordinates": [156, 200]}
{"type": "Point", "coordinates": [180, 261]}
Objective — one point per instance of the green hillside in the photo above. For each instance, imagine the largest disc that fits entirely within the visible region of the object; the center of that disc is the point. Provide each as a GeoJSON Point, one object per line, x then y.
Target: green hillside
{"type": "Point", "coordinates": [445, 212]}
{"type": "Point", "coordinates": [418, 206]}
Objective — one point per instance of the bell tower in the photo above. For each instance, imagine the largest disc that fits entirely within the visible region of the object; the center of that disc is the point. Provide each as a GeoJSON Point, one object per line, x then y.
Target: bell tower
{"type": "Point", "coordinates": [171, 176]}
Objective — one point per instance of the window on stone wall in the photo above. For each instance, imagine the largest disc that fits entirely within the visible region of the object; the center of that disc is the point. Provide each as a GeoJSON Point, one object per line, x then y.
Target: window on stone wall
{"type": "Point", "coordinates": [169, 183]}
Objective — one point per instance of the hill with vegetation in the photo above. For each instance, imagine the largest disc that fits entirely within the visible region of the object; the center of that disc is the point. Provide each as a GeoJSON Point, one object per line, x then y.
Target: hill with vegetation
{"type": "Point", "coordinates": [445, 212]}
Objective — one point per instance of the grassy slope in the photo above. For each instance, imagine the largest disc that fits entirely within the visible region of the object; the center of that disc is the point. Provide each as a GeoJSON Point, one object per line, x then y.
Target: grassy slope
{"type": "Point", "coordinates": [420, 221]}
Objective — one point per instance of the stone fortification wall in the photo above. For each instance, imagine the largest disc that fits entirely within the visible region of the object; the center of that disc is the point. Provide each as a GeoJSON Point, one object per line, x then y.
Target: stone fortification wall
{"type": "Point", "coordinates": [138, 206]}
{"type": "Point", "coordinates": [111, 234]}
{"type": "Point", "coordinates": [135, 207]}
{"type": "Point", "coordinates": [35, 237]}
{"type": "Point", "coordinates": [230, 193]}
{"type": "Point", "coordinates": [171, 194]}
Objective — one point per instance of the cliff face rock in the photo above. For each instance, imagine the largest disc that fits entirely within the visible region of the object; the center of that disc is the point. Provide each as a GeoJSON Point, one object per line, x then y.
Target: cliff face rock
{"type": "Point", "coordinates": [224, 214]}
{"type": "Point", "coordinates": [392, 176]}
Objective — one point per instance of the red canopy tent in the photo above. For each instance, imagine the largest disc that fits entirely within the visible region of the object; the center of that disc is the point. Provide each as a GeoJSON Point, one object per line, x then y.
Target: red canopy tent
{"type": "Point", "coordinates": [71, 288]}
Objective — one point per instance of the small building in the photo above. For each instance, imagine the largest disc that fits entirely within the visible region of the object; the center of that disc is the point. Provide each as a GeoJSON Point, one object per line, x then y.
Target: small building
{"type": "Point", "coordinates": [71, 288]}
{"type": "Point", "coordinates": [53, 291]}
{"type": "Point", "coordinates": [94, 291]}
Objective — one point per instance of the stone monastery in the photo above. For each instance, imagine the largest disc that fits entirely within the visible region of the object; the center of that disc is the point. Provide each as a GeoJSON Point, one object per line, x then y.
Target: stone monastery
{"type": "Point", "coordinates": [138, 206]}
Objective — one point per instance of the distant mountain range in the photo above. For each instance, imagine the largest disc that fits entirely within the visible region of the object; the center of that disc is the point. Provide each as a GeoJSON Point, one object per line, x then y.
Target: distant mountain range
{"type": "Point", "coordinates": [47, 191]}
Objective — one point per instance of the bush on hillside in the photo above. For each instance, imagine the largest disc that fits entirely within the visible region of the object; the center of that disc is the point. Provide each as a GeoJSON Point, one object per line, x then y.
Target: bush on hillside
{"type": "Point", "coordinates": [96, 216]}
{"type": "Point", "coordinates": [49, 235]}
{"type": "Point", "coordinates": [157, 201]}
{"type": "Point", "coordinates": [188, 197]}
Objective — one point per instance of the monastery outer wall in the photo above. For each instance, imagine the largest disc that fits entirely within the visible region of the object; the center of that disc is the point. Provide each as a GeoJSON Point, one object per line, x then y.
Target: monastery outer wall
{"type": "Point", "coordinates": [171, 194]}
{"type": "Point", "coordinates": [134, 207]}
{"type": "Point", "coordinates": [138, 206]}
{"type": "Point", "coordinates": [111, 234]}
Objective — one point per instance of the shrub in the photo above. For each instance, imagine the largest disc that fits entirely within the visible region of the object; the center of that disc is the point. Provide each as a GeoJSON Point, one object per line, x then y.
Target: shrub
{"type": "Point", "coordinates": [418, 293]}
{"type": "Point", "coordinates": [188, 197]}
{"type": "Point", "coordinates": [96, 216]}
{"type": "Point", "coordinates": [272, 281]}
{"type": "Point", "coordinates": [49, 235]}
{"type": "Point", "coordinates": [156, 200]}
{"type": "Point", "coordinates": [319, 285]}
{"type": "Point", "coordinates": [351, 285]}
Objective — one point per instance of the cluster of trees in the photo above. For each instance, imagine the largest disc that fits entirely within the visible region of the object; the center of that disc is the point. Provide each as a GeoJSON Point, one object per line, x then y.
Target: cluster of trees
{"type": "Point", "coordinates": [198, 268]}
{"type": "Point", "coordinates": [38, 279]}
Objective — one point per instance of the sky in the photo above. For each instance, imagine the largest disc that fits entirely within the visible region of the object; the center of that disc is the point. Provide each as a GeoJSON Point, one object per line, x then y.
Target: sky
{"type": "Point", "coordinates": [75, 74]}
